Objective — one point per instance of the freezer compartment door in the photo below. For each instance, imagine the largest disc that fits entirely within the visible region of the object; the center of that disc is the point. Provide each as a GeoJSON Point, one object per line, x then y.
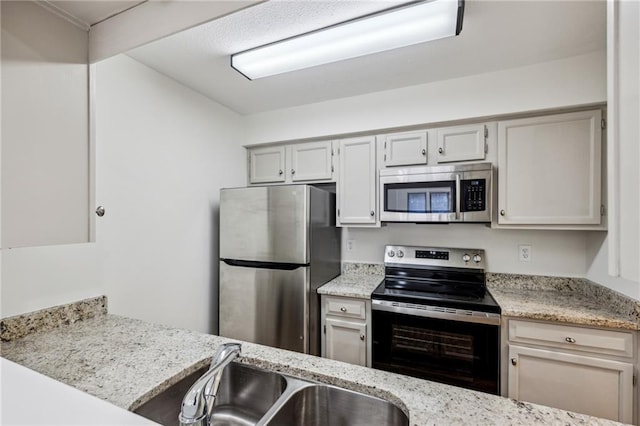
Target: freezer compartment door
{"type": "Point", "coordinates": [266, 306]}
{"type": "Point", "coordinates": [267, 224]}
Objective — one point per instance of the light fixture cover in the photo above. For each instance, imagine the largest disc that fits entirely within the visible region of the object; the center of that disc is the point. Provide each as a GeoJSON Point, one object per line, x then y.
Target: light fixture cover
{"type": "Point", "coordinates": [403, 26]}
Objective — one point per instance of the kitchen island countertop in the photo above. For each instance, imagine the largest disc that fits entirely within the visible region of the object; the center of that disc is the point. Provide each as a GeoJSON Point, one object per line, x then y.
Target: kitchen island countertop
{"type": "Point", "coordinates": [127, 361]}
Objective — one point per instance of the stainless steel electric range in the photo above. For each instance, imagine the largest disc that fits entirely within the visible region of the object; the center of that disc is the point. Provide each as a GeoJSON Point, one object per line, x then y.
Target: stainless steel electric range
{"type": "Point", "coordinates": [433, 318]}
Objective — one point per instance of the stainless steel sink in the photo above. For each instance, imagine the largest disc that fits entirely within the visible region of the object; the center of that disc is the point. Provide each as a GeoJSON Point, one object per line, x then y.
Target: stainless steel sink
{"type": "Point", "coordinates": [253, 396]}
{"type": "Point", "coordinates": [246, 393]}
{"type": "Point", "coordinates": [323, 405]}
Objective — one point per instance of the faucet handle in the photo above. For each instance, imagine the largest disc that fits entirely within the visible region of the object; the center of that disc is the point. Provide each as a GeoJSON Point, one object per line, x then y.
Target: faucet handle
{"type": "Point", "coordinates": [225, 350]}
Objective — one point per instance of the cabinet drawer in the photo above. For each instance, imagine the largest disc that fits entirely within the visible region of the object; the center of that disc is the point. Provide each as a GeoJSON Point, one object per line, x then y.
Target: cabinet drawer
{"type": "Point", "coordinates": [619, 343]}
{"type": "Point", "coordinates": [352, 308]}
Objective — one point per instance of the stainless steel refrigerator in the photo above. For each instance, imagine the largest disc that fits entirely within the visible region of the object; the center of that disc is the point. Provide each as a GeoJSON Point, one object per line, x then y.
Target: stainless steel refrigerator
{"type": "Point", "coordinates": [278, 244]}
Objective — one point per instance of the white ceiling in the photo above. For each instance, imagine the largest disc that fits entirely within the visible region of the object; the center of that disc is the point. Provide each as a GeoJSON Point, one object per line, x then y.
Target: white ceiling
{"type": "Point", "coordinates": [496, 35]}
{"type": "Point", "coordinates": [91, 12]}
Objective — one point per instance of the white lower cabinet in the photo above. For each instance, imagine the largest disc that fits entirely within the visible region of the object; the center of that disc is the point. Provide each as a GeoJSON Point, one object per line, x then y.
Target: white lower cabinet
{"type": "Point", "coordinates": [568, 370]}
{"type": "Point", "coordinates": [346, 341]}
{"type": "Point", "coordinates": [346, 327]}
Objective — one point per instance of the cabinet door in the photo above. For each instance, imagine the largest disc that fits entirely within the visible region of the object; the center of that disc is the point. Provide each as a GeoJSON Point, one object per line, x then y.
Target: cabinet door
{"type": "Point", "coordinates": [311, 161]}
{"type": "Point", "coordinates": [549, 170]}
{"type": "Point", "coordinates": [346, 341]}
{"type": "Point", "coordinates": [266, 164]}
{"type": "Point", "coordinates": [357, 181]}
{"type": "Point", "coordinates": [405, 148]}
{"type": "Point", "coordinates": [47, 133]}
{"type": "Point", "coordinates": [588, 385]}
{"type": "Point", "coordinates": [461, 143]}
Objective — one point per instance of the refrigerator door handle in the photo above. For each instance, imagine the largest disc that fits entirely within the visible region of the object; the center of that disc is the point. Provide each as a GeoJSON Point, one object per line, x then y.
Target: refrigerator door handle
{"type": "Point", "coordinates": [263, 265]}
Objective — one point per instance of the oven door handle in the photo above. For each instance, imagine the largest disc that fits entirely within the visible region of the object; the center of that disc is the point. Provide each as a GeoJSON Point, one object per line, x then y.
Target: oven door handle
{"type": "Point", "coordinates": [437, 312]}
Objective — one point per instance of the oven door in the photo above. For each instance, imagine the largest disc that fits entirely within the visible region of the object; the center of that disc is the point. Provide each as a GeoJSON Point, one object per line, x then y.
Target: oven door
{"type": "Point", "coordinates": [431, 197]}
{"type": "Point", "coordinates": [458, 353]}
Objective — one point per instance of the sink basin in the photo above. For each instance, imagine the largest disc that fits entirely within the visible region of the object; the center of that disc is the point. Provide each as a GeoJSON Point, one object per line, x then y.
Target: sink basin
{"type": "Point", "coordinates": [245, 395]}
{"type": "Point", "coordinates": [253, 396]}
{"type": "Point", "coordinates": [323, 405]}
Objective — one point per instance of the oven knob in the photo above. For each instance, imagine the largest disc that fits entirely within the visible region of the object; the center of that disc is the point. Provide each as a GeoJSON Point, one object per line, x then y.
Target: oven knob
{"type": "Point", "coordinates": [477, 258]}
{"type": "Point", "coordinates": [466, 258]}
{"type": "Point", "coordinates": [391, 253]}
{"type": "Point", "coordinates": [400, 253]}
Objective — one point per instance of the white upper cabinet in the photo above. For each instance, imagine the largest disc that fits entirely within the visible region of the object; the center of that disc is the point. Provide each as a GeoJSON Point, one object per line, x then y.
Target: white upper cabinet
{"type": "Point", "coordinates": [549, 170]}
{"type": "Point", "coordinates": [266, 165]}
{"type": "Point", "coordinates": [47, 152]}
{"type": "Point", "coordinates": [301, 162]}
{"type": "Point", "coordinates": [405, 148]}
{"type": "Point", "coordinates": [311, 161]}
{"type": "Point", "coordinates": [357, 182]}
{"type": "Point", "coordinates": [461, 143]}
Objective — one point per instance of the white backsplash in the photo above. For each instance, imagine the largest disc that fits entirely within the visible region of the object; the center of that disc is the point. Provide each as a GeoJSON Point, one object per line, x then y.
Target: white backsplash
{"type": "Point", "coordinates": [556, 253]}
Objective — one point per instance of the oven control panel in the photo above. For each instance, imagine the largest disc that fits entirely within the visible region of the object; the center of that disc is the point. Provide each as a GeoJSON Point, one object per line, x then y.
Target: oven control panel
{"type": "Point", "coordinates": [435, 256]}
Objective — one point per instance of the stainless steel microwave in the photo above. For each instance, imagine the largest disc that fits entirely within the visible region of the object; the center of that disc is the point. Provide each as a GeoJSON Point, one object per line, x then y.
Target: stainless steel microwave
{"type": "Point", "coordinates": [454, 193]}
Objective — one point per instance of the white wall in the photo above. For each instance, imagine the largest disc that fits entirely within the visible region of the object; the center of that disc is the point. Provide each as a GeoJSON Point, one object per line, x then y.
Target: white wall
{"type": "Point", "coordinates": [40, 277]}
{"type": "Point", "coordinates": [572, 81]}
{"type": "Point", "coordinates": [559, 253]}
{"type": "Point", "coordinates": [163, 153]}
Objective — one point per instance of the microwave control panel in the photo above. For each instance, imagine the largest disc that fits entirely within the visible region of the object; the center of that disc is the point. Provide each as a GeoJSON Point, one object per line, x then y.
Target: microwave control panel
{"type": "Point", "coordinates": [474, 197]}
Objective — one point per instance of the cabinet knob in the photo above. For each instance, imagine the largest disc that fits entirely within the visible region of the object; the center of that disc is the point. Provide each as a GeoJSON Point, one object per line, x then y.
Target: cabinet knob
{"type": "Point", "coordinates": [100, 211]}
{"type": "Point", "coordinates": [502, 212]}
{"type": "Point", "coordinates": [280, 172]}
{"type": "Point", "coordinates": [440, 150]}
{"type": "Point", "coordinates": [372, 213]}
{"type": "Point", "coordinates": [569, 340]}
{"type": "Point", "coordinates": [343, 309]}
{"type": "Point", "coordinates": [362, 337]}
{"type": "Point", "coordinates": [514, 361]}
{"type": "Point", "coordinates": [424, 152]}
{"type": "Point", "coordinates": [293, 172]}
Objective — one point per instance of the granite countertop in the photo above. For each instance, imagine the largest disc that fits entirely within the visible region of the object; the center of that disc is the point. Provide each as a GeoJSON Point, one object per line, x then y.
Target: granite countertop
{"type": "Point", "coordinates": [127, 361]}
{"type": "Point", "coordinates": [568, 300]}
{"type": "Point", "coordinates": [358, 280]}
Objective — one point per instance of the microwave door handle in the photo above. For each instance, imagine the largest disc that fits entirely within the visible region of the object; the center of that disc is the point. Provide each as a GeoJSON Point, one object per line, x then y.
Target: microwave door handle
{"type": "Point", "coordinates": [458, 197]}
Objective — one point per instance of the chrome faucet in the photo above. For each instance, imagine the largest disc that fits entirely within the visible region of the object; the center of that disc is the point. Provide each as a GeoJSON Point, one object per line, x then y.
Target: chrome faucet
{"type": "Point", "coordinates": [197, 404]}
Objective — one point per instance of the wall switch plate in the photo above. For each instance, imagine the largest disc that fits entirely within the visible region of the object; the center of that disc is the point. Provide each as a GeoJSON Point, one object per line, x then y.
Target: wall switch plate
{"type": "Point", "coordinates": [524, 253]}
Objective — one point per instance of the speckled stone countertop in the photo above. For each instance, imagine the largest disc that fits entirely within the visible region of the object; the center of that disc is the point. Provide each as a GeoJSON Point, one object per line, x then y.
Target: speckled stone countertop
{"type": "Point", "coordinates": [127, 362]}
{"type": "Point", "coordinates": [358, 280]}
{"type": "Point", "coordinates": [568, 300]}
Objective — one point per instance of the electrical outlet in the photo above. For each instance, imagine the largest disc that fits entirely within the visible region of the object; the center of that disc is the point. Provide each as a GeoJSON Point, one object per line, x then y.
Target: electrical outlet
{"type": "Point", "coordinates": [349, 245]}
{"type": "Point", "coordinates": [524, 253]}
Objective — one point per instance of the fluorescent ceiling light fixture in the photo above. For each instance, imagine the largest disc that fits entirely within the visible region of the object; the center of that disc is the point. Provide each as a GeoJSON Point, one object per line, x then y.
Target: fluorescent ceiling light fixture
{"type": "Point", "coordinates": [414, 23]}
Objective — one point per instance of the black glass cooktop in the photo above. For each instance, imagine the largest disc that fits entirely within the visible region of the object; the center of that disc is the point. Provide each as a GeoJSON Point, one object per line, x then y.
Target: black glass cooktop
{"type": "Point", "coordinates": [446, 287]}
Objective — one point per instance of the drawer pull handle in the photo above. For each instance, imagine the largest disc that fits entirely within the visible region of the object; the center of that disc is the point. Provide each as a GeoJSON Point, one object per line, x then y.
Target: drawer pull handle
{"type": "Point", "coordinates": [343, 309]}
{"type": "Point", "coordinates": [569, 340]}
{"type": "Point", "coordinates": [424, 152]}
{"type": "Point", "coordinates": [514, 361]}
{"type": "Point", "coordinates": [362, 337]}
